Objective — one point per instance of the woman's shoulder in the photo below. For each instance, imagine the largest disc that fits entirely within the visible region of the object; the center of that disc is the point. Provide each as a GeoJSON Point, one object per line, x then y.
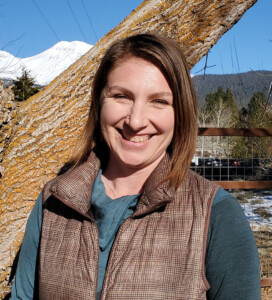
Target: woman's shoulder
{"type": "Point", "coordinates": [222, 195]}
{"type": "Point", "coordinates": [228, 217]}
{"type": "Point", "coordinates": [232, 264]}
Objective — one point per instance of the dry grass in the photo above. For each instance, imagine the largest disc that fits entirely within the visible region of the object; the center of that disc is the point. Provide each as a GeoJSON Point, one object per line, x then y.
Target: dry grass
{"type": "Point", "coordinates": [267, 293]}
{"type": "Point", "coordinates": [264, 242]}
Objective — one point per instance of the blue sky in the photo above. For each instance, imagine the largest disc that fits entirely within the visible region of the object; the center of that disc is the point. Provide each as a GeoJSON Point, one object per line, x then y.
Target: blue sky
{"type": "Point", "coordinates": [28, 27]}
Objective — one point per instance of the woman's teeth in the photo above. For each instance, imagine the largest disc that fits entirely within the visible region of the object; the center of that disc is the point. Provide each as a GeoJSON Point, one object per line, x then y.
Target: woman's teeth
{"type": "Point", "coordinates": [136, 139]}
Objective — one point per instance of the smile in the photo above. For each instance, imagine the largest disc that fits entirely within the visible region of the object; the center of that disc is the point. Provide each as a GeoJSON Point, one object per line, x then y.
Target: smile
{"type": "Point", "coordinates": [135, 139]}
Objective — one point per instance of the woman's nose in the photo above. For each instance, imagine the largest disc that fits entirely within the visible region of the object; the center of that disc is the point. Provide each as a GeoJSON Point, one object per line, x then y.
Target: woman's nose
{"type": "Point", "coordinates": [137, 117]}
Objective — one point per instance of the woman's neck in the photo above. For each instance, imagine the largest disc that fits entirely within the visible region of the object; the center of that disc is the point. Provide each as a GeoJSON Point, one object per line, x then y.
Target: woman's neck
{"type": "Point", "coordinates": [121, 180]}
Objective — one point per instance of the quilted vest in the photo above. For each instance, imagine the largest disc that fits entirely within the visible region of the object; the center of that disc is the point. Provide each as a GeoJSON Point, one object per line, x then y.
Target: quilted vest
{"type": "Point", "coordinates": [158, 253]}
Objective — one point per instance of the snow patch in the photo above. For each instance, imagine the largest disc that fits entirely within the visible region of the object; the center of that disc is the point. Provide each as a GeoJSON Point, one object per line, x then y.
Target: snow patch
{"type": "Point", "coordinates": [46, 66]}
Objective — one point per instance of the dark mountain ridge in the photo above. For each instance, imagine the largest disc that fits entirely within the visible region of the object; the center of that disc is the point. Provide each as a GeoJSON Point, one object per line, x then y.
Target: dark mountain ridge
{"type": "Point", "coordinates": [242, 85]}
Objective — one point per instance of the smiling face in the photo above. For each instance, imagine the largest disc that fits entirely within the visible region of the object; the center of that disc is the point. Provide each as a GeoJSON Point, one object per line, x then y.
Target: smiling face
{"type": "Point", "coordinates": [137, 115]}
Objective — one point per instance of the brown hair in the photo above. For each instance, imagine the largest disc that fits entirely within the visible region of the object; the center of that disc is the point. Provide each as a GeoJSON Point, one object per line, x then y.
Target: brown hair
{"type": "Point", "coordinates": [167, 56]}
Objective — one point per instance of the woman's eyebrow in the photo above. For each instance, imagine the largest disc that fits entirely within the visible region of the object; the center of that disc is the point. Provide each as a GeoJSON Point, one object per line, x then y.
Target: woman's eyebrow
{"type": "Point", "coordinates": [161, 94]}
{"type": "Point", "coordinates": [116, 87]}
{"type": "Point", "coordinates": [155, 94]}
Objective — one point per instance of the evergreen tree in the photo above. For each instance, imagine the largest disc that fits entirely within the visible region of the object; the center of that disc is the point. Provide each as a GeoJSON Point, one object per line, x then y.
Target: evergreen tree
{"type": "Point", "coordinates": [24, 86]}
{"type": "Point", "coordinates": [243, 118]}
{"type": "Point", "coordinates": [258, 111]}
{"type": "Point", "coordinates": [257, 114]}
{"type": "Point", "coordinates": [220, 109]}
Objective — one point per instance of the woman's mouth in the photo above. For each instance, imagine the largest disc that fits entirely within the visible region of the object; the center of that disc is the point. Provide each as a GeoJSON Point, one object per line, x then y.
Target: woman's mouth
{"type": "Point", "coordinates": [135, 138]}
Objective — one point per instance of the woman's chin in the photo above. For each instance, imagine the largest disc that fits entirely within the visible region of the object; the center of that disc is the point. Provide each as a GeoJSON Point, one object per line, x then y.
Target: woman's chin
{"type": "Point", "coordinates": [135, 162]}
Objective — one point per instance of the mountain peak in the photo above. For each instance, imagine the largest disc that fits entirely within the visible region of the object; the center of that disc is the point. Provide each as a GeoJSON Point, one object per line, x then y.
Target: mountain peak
{"type": "Point", "coordinates": [45, 66]}
{"type": "Point", "coordinates": [64, 45]}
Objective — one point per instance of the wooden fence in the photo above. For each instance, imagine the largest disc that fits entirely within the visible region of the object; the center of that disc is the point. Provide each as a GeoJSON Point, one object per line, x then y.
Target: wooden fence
{"type": "Point", "coordinates": [242, 132]}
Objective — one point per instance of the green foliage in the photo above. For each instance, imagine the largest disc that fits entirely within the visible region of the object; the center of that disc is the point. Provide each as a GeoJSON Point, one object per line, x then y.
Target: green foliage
{"type": "Point", "coordinates": [257, 114]}
{"type": "Point", "coordinates": [24, 86]}
{"type": "Point", "coordinates": [241, 148]}
{"type": "Point", "coordinates": [220, 109]}
{"type": "Point", "coordinates": [214, 98]}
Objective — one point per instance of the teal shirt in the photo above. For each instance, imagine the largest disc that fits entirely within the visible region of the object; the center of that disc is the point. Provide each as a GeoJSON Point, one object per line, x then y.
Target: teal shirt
{"type": "Point", "coordinates": [108, 215]}
{"type": "Point", "coordinates": [232, 264]}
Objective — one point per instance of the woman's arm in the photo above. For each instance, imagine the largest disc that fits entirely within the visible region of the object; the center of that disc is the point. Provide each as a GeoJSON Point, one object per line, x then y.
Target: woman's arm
{"type": "Point", "coordinates": [24, 282]}
{"type": "Point", "coordinates": [232, 263]}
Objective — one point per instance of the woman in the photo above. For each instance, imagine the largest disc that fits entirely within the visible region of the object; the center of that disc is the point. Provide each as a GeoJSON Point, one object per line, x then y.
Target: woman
{"type": "Point", "coordinates": [129, 220]}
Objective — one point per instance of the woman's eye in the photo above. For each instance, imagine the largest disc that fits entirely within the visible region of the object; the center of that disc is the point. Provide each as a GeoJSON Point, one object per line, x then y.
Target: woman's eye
{"type": "Point", "coordinates": [120, 96]}
{"type": "Point", "coordinates": [161, 102]}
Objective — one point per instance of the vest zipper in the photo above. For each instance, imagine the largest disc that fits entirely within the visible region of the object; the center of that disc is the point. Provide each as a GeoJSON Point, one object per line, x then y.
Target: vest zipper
{"type": "Point", "coordinates": [115, 242]}
{"type": "Point", "coordinates": [97, 260]}
{"type": "Point", "coordinates": [152, 208]}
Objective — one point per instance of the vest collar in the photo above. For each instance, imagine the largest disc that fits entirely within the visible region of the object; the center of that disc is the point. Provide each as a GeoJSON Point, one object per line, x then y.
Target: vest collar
{"type": "Point", "coordinates": [74, 188]}
{"type": "Point", "coordinates": [156, 194]}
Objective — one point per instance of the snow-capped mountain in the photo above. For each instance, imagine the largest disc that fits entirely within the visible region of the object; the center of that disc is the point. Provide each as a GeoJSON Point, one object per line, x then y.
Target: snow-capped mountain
{"type": "Point", "coordinates": [43, 67]}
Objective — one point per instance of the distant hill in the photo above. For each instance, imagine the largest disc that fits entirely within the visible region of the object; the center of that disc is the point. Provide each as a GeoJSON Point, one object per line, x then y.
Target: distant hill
{"type": "Point", "coordinates": [242, 85]}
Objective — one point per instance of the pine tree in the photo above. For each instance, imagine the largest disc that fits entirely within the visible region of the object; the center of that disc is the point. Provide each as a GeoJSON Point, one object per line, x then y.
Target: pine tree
{"type": "Point", "coordinates": [220, 109]}
{"type": "Point", "coordinates": [258, 111]}
{"type": "Point", "coordinates": [257, 114]}
{"type": "Point", "coordinates": [24, 86]}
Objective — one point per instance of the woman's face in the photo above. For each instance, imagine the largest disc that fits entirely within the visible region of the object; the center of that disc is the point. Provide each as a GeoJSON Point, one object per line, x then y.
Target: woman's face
{"type": "Point", "coordinates": [137, 115]}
